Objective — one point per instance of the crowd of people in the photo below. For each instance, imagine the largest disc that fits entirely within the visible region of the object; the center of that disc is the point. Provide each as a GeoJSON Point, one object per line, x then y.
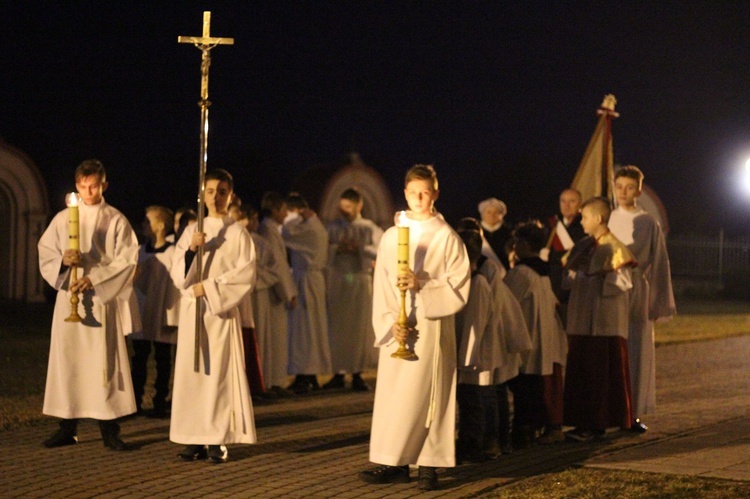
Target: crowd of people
{"type": "Point", "coordinates": [512, 333]}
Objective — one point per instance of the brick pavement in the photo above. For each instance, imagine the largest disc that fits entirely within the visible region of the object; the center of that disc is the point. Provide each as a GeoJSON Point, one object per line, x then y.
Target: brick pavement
{"type": "Point", "coordinates": [313, 446]}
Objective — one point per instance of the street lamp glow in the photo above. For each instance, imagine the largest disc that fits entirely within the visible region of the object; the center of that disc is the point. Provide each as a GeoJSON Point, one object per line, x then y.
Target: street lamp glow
{"type": "Point", "coordinates": [745, 180]}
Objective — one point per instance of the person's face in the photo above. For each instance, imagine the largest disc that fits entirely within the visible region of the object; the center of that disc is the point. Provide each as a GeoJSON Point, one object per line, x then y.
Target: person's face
{"type": "Point", "coordinates": [91, 188]}
{"type": "Point", "coordinates": [153, 225]}
{"type": "Point", "coordinates": [350, 210]}
{"type": "Point", "coordinates": [420, 196]}
{"type": "Point", "coordinates": [279, 215]}
{"type": "Point", "coordinates": [217, 196]}
{"type": "Point", "coordinates": [252, 222]}
{"type": "Point", "coordinates": [626, 191]}
{"type": "Point", "coordinates": [177, 217]}
{"type": "Point", "coordinates": [570, 204]}
{"type": "Point", "coordinates": [234, 212]}
{"type": "Point", "coordinates": [492, 215]}
{"type": "Point", "coordinates": [590, 220]}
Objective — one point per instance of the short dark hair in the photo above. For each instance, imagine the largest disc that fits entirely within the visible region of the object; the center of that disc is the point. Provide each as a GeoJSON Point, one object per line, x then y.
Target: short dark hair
{"type": "Point", "coordinates": [469, 223]}
{"type": "Point", "coordinates": [422, 172]}
{"type": "Point", "coordinates": [351, 194]}
{"type": "Point", "coordinates": [296, 202]}
{"type": "Point", "coordinates": [270, 201]}
{"type": "Point", "coordinates": [532, 233]}
{"type": "Point", "coordinates": [630, 171]}
{"type": "Point", "coordinates": [601, 206]}
{"type": "Point", "coordinates": [473, 242]}
{"type": "Point", "coordinates": [222, 176]}
{"type": "Point", "coordinates": [91, 167]}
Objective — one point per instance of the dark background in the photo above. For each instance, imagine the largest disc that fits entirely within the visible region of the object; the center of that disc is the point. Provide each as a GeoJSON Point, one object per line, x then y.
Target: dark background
{"type": "Point", "coordinates": [500, 96]}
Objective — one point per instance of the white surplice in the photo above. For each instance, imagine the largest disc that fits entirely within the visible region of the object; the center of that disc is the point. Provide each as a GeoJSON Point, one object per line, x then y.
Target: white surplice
{"type": "Point", "coordinates": [414, 416]}
{"type": "Point", "coordinates": [651, 299]}
{"type": "Point", "coordinates": [275, 351]}
{"type": "Point", "coordinates": [476, 337]}
{"type": "Point", "coordinates": [549, 343]}
{"type": "Point", "coordinates": [213, 406]}
{"type": "Point", "coordinates": [88, 375]}
{"type": "Point", "coordinates": [158, 297]}
{"type": "Point", "coordinates": [307, 241]}
{"type": "Point", "coordinates": [352, 250]}
{"type": "Point", "coordinates": [509, 323]}
{"type": "Point", "coordinates": [268, 276]}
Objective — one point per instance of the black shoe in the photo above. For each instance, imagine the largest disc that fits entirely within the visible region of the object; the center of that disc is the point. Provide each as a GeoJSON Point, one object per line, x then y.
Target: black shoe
{"type": "Point", "coordinates": [111, 435]}
{"type": "Point", "coordinates": [470, 455]}
{"type": "Point", "coordinates": [336, 382]}
{"type": "Point", "coordinates": [113, 442]}
{"type": "Point", "coordinates": [386, 474]}
{"type": "Point", "coordinates": [638, 426]}
{"type": "Point", "coordinates": [218, 453]}
{"type": "Point", "coordinates": [60, 438]}
{"type": "Point", "coordinates": [580, 435]}
{"type": "Point", "coordinates": [313, 380]}
{"type": "Point", "coordinates": [281, 392]}
{"type": "Point", "coordinates": [193, 453]}
{"type": "Point", "coordinates": [428, 479]}
{"type": "Point", "coordinates": [359, 385]}
{"type": "Point", "coordinates": [300, 386]}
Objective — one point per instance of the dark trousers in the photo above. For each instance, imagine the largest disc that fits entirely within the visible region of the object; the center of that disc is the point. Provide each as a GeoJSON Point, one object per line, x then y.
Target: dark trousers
{"type": "Point", "coordinates": [139, 371]}
{"type": "Point", "coordinates": [477, 417]}
{"type": "Point", "coordinates": [502, 411]}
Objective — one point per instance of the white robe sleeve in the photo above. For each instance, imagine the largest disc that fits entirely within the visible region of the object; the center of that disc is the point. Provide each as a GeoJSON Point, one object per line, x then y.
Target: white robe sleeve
{"type": "Point", "coordinates": [225, 291]}
{"type": "Point", "coordinates": [114, 279]}
{"type": "Point", "coordinates": [51, 251]}
{"type": "Point", "coordinates": [447, 293]}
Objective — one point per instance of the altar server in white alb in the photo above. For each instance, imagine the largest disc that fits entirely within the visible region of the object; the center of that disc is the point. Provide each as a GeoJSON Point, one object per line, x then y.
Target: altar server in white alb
{"type": "Point", "coordinates": [651, 298]}
{"type": "Point", "coordinates": [159, 304]}
{"type": "Point", "coordinates": [88, 375]}
{"type": "Point", "coordinates": [212, 407]}
{"type": "Point", "coordinates": [353, 243]}
{"type": "Point", "coordinates": [414, 416]}
{"type": "Point", "coordinates": [274, 351]}
{"type": "Point", "coordinates": [307, 240]}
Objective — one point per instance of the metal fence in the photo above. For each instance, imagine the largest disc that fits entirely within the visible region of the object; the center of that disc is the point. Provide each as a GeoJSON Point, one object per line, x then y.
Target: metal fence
{"type": "Point", "coordinates": [708, 256]}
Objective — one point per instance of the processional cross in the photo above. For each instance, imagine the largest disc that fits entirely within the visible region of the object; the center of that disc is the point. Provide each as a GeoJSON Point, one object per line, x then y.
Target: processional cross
{"type": "Point", "coordinates": [205, 43]}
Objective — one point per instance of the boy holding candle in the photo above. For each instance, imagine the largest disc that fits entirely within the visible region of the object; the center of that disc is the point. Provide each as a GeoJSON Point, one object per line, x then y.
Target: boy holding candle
{"type": "Point", "coordinates": [415, 400]}
{"type": "Point", "coordinates": [212, 407]}
{"type": "Point", "coordinates": [88, 375]}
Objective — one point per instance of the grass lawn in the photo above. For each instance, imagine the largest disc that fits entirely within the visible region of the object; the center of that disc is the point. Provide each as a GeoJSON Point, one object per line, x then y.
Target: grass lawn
{"type": "Point", "coordinates": [587, 483]}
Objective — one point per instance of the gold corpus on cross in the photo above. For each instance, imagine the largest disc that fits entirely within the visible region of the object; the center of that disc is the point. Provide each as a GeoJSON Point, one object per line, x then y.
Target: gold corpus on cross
{"type": "Point", "coordinates": [205, 43]}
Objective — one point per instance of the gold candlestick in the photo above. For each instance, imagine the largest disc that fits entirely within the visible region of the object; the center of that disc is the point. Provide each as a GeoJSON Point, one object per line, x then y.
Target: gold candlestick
{"type": "Point", "coordinates": [403, 267]}
{"type": "Point", "coordinates": [73, 243]}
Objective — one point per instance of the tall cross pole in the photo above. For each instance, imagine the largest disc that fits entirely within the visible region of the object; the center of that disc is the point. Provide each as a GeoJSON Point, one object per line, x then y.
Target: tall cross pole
{"type": "Point", "coordinates": [205, 43]}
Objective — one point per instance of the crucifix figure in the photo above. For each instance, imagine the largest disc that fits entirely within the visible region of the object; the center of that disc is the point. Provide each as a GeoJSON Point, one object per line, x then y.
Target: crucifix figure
{"type": "Point", "coordinates": [205, 43]}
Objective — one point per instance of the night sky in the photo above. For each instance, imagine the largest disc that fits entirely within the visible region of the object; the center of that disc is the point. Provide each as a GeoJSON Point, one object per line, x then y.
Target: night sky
{"type": "Point", "coordinates": [500, 96]}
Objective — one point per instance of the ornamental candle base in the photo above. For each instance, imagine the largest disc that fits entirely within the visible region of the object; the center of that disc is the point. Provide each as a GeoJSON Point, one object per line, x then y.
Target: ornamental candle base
{"type": "Point", "coordinates": [403, 352]}
{"type": "Point", "coordinates": [73, 317]}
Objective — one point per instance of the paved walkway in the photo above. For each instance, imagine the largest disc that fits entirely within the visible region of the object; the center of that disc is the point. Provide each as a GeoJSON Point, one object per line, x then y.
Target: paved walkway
{"type": "Point", "coordinates": [313, 446]}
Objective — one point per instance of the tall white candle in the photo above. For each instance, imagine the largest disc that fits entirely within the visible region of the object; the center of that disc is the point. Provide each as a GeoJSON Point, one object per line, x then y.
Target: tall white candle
{"type": "Point", "coordinates": [73, 225]}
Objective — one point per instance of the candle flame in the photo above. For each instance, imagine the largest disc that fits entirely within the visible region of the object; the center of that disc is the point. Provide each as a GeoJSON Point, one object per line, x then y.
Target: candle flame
{"type": "Point", "coordinates": [402, 219]}
{"type": "Point", "coordinates": [72, 199]}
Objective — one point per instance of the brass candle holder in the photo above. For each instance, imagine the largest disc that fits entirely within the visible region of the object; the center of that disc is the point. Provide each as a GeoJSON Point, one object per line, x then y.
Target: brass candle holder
{"type": "Point", "coordinates": [73, 317]}
{"type": "Point", "coordinates": [403, 266]}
